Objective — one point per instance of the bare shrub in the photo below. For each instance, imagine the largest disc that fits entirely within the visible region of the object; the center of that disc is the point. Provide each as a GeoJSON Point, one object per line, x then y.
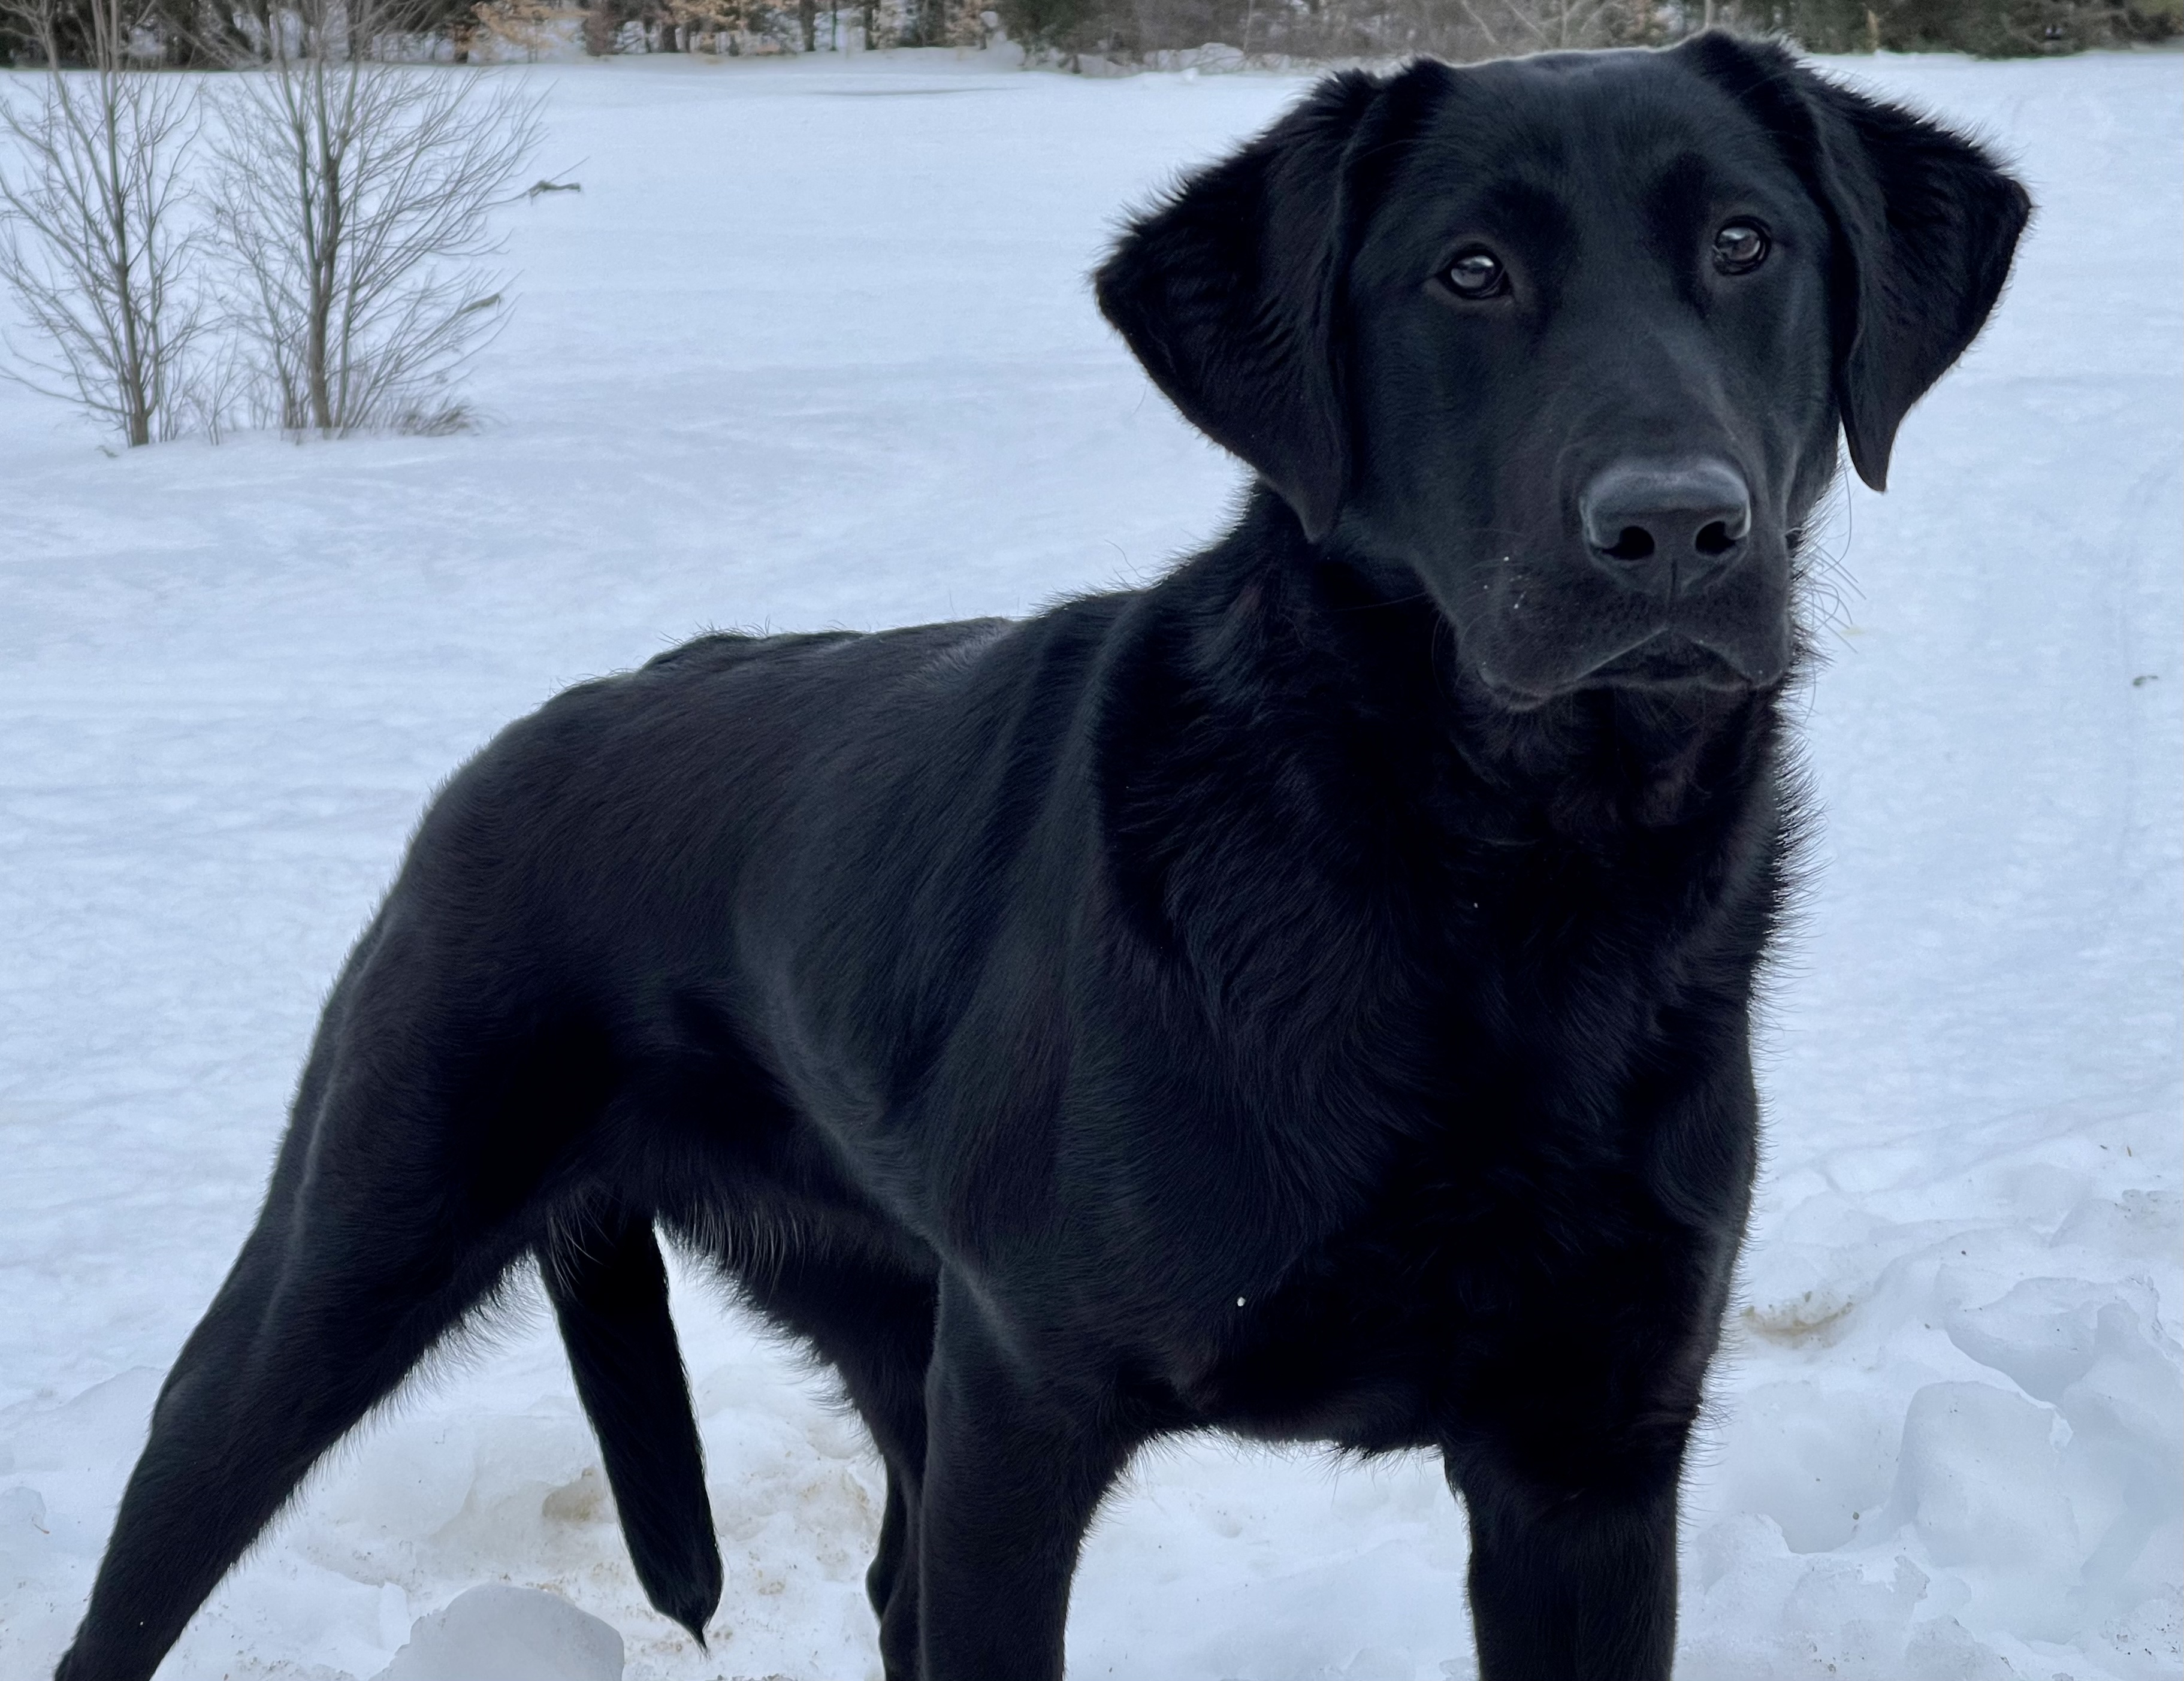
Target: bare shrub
{"type": "Point", "coordinates": [97, 235]}
{"type": "Point", "coordinates": [352, 200]}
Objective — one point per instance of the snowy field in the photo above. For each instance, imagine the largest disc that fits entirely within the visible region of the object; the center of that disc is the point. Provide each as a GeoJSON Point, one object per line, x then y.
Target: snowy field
{"type": "Point", "coordinates": [813, 347]}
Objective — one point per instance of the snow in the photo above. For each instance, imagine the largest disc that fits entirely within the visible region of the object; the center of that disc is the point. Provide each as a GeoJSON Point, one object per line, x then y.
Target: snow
{"type": "Point", "coordinates": [813, 347]}
{"type": "Point", "coordinates": [501, 1633]}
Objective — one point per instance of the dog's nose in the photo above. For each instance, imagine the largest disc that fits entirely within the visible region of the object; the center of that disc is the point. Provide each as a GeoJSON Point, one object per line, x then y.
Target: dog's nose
{"type": "Point", "coordinates": [1666, 529]}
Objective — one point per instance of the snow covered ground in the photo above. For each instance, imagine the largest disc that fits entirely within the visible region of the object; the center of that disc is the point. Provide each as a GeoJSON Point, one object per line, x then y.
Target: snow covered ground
{"type": "Point", "coordinates": [813, 347]}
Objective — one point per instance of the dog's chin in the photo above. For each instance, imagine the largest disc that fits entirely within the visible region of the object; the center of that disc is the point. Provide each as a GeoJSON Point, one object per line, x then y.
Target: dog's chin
{"type": "Point", "coordinates": [1668, 662]}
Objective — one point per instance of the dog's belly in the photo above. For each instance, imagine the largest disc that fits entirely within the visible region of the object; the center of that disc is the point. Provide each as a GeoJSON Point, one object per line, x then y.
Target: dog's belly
{"type": "Point", "coordinates": [1291, 1389]}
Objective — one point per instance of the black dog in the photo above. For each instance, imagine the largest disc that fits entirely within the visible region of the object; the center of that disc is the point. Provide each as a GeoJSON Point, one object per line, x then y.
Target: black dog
{"type": "Point", "coordinates": [1309, 997]}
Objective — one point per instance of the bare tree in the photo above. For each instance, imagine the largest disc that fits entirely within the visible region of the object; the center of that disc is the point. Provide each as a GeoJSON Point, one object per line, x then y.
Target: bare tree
{"type": "Point", "coordinates": [97, 235]}
{"type": "Point", "coordinates": [353, 200]}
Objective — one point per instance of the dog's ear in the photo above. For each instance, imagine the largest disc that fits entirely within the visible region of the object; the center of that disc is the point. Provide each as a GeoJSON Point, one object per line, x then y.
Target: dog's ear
{"type": "Point", "coordinates": [1228, 293]}
{"type": "Point", "coordinates": [1925, 224]}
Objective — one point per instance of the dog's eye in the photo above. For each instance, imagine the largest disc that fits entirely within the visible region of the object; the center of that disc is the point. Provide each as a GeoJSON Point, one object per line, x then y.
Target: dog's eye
{"type": "Point", "coordinates": [1477, 274]}
{"type": "Point", "coordinates": [1740, 247]}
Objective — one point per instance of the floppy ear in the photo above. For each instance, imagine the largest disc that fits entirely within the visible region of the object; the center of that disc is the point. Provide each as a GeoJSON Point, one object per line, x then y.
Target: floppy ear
{"type": "Point", "coordinates": [1228, 293]}
{"type": "Point", "coordinates": [1925, 224]}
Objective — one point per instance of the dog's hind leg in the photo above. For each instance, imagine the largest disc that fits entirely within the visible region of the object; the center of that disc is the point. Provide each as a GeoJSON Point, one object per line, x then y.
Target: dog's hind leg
{"type": "Point", "coordinates": [405, 1187]}
{"type": "Point", "coordinates": [609, 1294]}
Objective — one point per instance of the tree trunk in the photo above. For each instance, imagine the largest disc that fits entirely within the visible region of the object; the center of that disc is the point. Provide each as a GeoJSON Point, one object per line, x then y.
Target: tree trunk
{"type": "Point", "coordinates": [135, 409]}
{"type": "Point", "coordinates": [807, 16]}
{"type": "Point", "coordinates": [332, 186]}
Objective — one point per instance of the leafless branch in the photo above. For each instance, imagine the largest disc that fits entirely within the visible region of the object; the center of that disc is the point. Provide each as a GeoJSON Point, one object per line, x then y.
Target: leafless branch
{"type": "Point", "coordinates": [353, 199]}
{"type": "Point", "coordinates": [98, 234]}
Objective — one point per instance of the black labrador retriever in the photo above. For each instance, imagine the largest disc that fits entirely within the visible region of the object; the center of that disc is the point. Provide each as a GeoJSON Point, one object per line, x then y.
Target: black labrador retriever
{"type": "Point", "coordinates": [1310, 997]}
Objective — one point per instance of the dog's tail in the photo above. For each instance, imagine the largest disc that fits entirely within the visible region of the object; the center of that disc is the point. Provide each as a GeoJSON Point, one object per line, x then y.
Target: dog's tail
{"type": "Point", "coordinates": [609, 1293]}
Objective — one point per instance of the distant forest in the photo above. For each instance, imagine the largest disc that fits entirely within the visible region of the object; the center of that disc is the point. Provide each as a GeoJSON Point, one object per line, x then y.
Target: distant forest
{"type": "Point", "coordinates": [1109, 34]}
{"type": "Point", "coordinates": [1487, 29]}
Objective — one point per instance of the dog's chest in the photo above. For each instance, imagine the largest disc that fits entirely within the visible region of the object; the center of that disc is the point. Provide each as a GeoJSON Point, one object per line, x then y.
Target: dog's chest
{"type": "Point", "coordinates": [1498, 1136]}
{"type": "Point", "coordinates": [1382, 1335]}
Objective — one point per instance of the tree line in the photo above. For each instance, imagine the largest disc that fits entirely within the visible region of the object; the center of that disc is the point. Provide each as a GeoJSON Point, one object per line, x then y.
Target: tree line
{"type": "Point", "coordinates": [1122, 33]}
{"type": "Point", "coordinates": [1467, 29]}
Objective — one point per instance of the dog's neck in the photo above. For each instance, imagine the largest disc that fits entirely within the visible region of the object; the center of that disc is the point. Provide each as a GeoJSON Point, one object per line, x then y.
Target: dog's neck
{"type": "Point", "coordinates": [1305, 626]}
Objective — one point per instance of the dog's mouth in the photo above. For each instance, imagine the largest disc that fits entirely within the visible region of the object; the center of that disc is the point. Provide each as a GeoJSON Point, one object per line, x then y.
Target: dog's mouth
{"type": "Point", "coordinates": [1669, 660]}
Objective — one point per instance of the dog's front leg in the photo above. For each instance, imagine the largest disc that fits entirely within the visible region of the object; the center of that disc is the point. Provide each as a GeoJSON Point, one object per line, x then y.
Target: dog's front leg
{"type": "Point", "coordinates": [1019, 1450]}
{"type": "Point", "coordinates": [1568, 1583]}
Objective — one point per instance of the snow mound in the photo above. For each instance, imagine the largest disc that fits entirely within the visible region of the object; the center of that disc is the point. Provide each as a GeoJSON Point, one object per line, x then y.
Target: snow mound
{"type": "Point", "coordinates": [496, 1633]}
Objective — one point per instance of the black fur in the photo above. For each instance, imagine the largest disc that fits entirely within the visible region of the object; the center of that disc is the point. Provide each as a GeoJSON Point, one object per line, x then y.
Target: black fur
{"type": "Point", "coordinates": [1309, 997]}
{"type": "Point", "coordinates": [609, 1296]}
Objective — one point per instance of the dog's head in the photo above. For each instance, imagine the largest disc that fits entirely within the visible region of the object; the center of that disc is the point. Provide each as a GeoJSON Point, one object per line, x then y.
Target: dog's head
{"type": "Point", "coordinates": [1570, 337]}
